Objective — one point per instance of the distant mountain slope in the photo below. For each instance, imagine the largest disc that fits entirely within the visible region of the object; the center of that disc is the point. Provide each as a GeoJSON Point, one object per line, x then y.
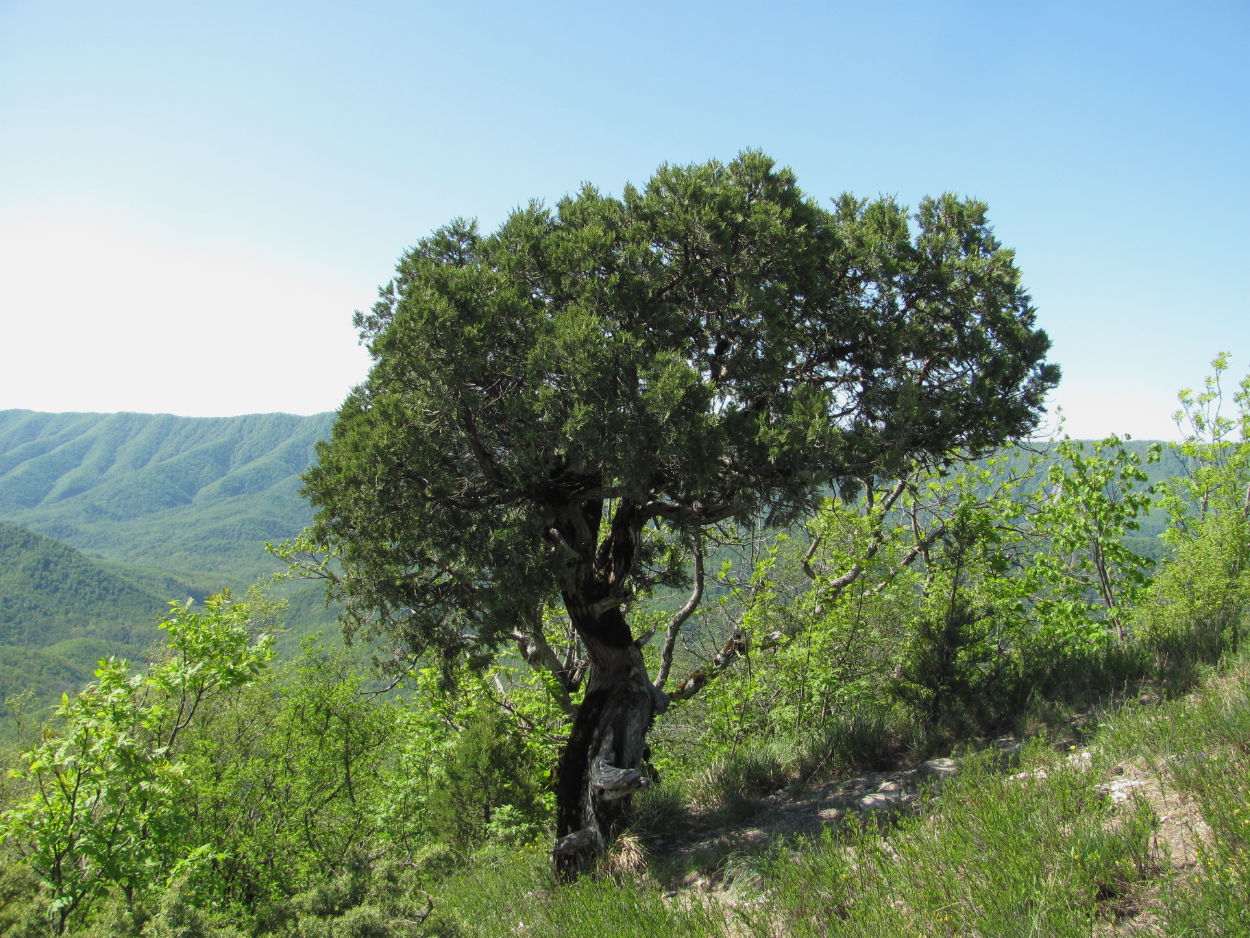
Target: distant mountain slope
{"type": "Point", "coordinates": [61, 612]}
{"type": "Point", "coordinates": [51, 593]}
{"type": "Point", "coordinates": [192, 495]}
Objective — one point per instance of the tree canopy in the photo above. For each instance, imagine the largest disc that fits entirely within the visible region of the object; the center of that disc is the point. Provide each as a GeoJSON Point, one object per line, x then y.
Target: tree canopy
{"type": "Point", "coordinates": [713, 345]}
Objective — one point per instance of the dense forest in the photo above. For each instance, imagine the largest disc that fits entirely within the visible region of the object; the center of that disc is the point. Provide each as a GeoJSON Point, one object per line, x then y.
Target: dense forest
{"type": "Point", "coordinates": [62, 612]}
{"type": "Point", "coordinates": [193, 497]}
{"type": "Point", "coordinates": [696, 578]}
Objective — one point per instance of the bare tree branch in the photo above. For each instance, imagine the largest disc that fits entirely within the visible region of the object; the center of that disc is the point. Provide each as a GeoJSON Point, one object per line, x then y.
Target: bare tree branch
{"type": "Point", "coordinates": [682, 614]}
{"type": "Point", "coordinates": [538, 654]}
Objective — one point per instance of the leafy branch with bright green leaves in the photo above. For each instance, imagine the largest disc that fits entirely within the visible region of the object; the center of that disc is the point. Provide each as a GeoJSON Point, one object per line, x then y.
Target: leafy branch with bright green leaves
{"type": "Point", "coordinates": [106, 807]}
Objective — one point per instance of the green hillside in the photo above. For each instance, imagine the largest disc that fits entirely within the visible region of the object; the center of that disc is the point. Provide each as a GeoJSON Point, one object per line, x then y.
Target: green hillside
{"type": "Point", "coordinates": [195, 496]}
{"type": "Point", "coordinates": [163, 507]}
{"type": "Point", "coordinates": [105, 518]}
{"type": "Point", "coordinates": [186, 495]}
{"type": "Point", "coordinates": [50, 592]}
{"type": "Point", "coordinates": [61, 612]}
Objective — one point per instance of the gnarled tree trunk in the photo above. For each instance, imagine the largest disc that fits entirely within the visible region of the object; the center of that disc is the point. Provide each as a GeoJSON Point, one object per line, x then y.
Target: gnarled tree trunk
{"type": "Point", "coordinates": [601, 766]}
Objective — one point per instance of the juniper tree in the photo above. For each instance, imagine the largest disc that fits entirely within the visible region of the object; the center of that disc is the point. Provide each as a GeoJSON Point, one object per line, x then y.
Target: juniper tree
{"type": "Point", "coordinates": [555, 406]}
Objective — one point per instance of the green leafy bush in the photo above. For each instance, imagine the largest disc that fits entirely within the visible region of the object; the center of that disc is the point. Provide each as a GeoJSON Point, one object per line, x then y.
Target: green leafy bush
{"type": "Point", "coordinates": [105, 806]}
{"type": "Point", "coordinates": [486, 788]}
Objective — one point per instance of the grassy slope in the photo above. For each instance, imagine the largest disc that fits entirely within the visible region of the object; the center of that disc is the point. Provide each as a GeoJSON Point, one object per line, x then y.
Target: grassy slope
{"type": "Point", "coordinates": [1140, 825]}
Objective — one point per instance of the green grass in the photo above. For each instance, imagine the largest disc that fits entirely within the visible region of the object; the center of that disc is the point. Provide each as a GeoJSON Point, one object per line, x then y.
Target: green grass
{"type": "Point", "coordinates": [992, 857]}
{"type": "Point", "coordinates": [1037, 847]}
{"type": "Point", "coordinates": [1200, 749]}
{"type": "Point", "coordinates": [514, 895]}
{"type": "Point", "coordinates": [1034, 849]}
{"type": "Point", "coordinates": [860, 739]}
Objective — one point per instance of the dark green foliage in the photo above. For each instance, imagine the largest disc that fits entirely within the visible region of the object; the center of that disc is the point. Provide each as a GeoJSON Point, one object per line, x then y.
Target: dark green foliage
{"type": "Point", "coordinates": [949, 654]}
{"type": "Point", "coordinates": [714, 344]}
{"type": "Point", "coordinates": [487, 788]}
{"type": "Point", "coordinates": [292, 782]}
{"type": "Point", "coordinates": [267, 804]}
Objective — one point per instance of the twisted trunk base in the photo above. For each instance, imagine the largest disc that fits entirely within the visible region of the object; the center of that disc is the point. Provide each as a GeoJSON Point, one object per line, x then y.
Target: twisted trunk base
{"type": "Point", "coordinates": [601, 766]}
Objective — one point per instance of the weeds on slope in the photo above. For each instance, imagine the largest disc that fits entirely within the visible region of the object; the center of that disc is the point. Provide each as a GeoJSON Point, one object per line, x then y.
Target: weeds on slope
{"type": "Point", "coordinates": [1062, 843]}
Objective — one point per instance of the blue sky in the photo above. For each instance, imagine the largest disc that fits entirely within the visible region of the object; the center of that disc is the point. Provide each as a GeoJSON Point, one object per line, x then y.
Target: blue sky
{"type": "Point", "coordinates": [195, 197]}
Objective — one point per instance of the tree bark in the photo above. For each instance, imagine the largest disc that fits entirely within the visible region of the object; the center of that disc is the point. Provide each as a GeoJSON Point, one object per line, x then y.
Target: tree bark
{"type": "Point", "coordinates": [601, 766]}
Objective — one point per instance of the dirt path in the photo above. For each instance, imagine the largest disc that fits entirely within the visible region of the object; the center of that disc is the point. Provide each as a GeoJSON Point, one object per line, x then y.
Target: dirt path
{"type": "Point", "coordinates": [699, 854]}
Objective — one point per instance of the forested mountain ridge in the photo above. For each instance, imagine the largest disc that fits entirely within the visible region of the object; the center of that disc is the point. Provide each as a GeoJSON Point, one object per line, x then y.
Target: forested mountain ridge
{"type": "Point", "coordinates": [183, 494]}
{"type": "Point", "coordinates": [191, 495]}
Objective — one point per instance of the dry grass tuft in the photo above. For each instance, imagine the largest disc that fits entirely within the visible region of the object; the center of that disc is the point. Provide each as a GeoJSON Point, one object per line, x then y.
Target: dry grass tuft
{"type": "Point", "coordinates": [627, 857]}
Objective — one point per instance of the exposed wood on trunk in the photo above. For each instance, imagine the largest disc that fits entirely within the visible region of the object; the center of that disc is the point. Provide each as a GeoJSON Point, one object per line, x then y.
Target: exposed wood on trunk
{"type": "Point", "coordinates": [602, 762]}
{"type": "Point", "coordinates": [601, 765]}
